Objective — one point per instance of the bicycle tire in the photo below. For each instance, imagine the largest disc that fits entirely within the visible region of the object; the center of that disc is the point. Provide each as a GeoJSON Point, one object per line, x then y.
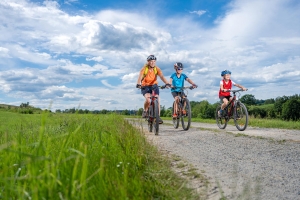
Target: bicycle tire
{"type": "Point", "coordinates": [186, 119]}
{"type": "Point", "coordinates": [175, 120]}
{"type": "Point", "coordinates": [156, 116]}
{"type": "Point", "coordinates": [221, 121]}
{"type": "Point", "coordinates": [150, 118]}
{"type": "Point", "coordinates": [240, 116]}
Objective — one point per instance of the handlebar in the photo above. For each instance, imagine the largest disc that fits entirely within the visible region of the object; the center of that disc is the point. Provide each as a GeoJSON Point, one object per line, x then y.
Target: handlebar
{"type": "Point", "coordinates": [161, 87]}
{"type": "Point", "coordinates": [182, 88]}
{"type": "Point", "coordinates": [234, 91]}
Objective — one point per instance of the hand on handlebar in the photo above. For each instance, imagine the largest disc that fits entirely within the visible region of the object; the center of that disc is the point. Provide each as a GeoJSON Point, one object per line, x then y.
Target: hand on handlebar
{"type": "Point", "coordinates": [194, 86]}
{"type": "Point", "coordinates": [138, 86]}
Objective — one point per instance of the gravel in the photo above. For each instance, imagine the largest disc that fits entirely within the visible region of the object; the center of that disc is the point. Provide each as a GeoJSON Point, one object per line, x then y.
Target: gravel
{"type": "Point", "coordinates": [258, 164]}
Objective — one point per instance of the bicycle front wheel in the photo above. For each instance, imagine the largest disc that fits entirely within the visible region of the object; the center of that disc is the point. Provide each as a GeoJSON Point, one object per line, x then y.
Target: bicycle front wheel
{"type": "Point", "coordinates": [186, 116]}
{"type": "Point", "coordinates": [156, 117]}
{"type": "Point", "coordinates": [240, 116]}
{"type": "Point", "coordinates": [221, 121]}
{"type": "Point", "coordinates": [175, 120]}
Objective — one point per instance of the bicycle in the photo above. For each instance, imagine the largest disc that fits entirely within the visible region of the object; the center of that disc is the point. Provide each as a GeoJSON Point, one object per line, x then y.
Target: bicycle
{"type": "Point", "coordinates": [153, 111]}
{"type": "Point", "coordinates": [183, 103]}
{"type": "Point", "coordinates": [235, 110]}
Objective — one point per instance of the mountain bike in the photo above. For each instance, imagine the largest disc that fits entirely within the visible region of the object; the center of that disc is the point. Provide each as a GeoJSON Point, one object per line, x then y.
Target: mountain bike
{"type": "Point", "coordinates": [235, 110]}
{"type": "Point", "coordinates": [183, 105]}
{"type": "Point", "coordinates": [153, 111]}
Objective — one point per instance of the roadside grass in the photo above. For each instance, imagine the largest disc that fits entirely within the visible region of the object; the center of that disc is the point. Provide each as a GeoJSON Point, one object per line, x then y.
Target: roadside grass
{"type": "Point", "coordinates": [254, 122]}
{"type": "Point", "coordinates": [72, 156]}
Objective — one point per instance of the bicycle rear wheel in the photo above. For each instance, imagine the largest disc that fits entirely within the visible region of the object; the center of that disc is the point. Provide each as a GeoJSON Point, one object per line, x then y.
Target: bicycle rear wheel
{"type": "Point", "coordinates": [175, 120]}
{"type": "Point", "coordinates": [240, 116]}
{"type": "Point", "coordinates": [221, 121]}
{"type": "Point", "coordinates": [186, 118]}
{"type": "Point", "coordinates": [156, 116]}
{"type": "Point", "coordinates": [150, 118]}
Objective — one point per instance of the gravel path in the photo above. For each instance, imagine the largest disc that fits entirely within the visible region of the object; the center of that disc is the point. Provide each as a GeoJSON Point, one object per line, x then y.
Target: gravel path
{"type": "Point", "coordinates": [253, 164]}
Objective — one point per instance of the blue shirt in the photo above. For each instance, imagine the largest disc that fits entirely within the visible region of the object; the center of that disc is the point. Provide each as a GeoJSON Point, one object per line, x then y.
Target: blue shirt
{"type": "Point", "coordinates": [178, 82]}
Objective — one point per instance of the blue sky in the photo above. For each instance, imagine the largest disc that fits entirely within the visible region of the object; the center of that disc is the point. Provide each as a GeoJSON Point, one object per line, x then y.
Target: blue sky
{"type": "Point", "coordinates": [87, 54]}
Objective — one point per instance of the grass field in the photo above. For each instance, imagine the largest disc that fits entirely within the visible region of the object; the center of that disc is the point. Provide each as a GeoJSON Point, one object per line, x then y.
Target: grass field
{"type": "Point", "coordinates": [71, 156]}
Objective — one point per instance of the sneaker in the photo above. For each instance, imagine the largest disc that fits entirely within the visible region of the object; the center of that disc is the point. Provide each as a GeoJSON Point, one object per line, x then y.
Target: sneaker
{"type": "Point", "coordinates": [160, 120]}
{"type": "Point", "coordinates": [144, 114]}
{"type": "Point", "coordinates": [220, 112]}
{"type": "Point", "coordinates": [175, 116]}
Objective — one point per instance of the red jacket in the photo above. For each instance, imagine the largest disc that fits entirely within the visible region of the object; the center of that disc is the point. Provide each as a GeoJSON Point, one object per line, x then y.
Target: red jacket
{"type": "Point", "coordinates": [226, 86]}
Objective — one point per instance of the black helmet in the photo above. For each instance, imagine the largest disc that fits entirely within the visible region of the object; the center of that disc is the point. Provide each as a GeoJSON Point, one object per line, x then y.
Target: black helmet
{"type": "Point", "coordinates": [151, 57]}
{"type": "Point", "coordinates": [178, 65]}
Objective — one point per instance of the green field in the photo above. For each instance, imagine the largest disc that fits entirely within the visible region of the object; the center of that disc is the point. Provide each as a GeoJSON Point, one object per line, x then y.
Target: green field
{"type": "Point", "coordinates": [72, 156]}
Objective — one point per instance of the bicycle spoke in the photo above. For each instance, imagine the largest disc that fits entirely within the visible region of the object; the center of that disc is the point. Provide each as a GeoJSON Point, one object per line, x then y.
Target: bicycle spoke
{"type": "Point", "coordinates": [241, 116]}
{"type": "Point", "coordinates": [175, 120]}
{"type": "Point", "coordinates": [186, 114]}
{"type": "Point", "coordinates": [221, 121]}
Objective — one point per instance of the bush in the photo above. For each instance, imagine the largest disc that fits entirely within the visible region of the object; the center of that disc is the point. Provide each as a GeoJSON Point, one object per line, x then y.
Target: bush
{"type": "Point", "coordinates": [290, 110]}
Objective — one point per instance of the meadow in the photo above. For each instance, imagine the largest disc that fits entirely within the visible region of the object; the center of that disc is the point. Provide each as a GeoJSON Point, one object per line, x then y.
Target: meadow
{"type": "Point", "coordinates": [72, 156]}
{"type": "Point", "coordinates": [258, 122]}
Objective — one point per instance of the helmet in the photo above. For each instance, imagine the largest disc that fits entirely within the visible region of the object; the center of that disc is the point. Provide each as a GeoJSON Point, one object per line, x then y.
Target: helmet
{"type": "Point", "coordinates": [178, 65]}
{"type": "Point", "coordinates": [151, 57]}
{"type": "Point", "coordinates": [225, 72]}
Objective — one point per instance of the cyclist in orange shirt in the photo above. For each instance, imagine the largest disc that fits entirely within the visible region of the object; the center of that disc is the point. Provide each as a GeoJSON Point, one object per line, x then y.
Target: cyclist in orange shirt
{"type": "Point", "coordinates": [148, 81]}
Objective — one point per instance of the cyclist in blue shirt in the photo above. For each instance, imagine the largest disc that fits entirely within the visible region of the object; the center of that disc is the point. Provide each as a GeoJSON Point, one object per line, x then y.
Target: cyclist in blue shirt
{"type": "Point", "coordinates": [177, 80]}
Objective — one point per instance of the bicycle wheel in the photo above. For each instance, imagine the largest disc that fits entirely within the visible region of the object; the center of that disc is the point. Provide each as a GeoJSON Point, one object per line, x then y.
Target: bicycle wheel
{"type": "Point", "coordinates": [240, 116]}
{"type": "Point", "coordinates": [221, 121]}
{"type": "Point", "coordinates": [150, 118]}
{"type": "Point", "coordinates": [156, 117]}
{"type": "Point", "coordinates": [175, 120]}
{"type": "Point", "coordinates": [186, 118]}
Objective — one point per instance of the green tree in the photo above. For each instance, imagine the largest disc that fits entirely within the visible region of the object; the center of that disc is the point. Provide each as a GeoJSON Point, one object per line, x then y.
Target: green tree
{"type": "Point", "coordinates": [58, 111]}
{"type": "Point", "coordinates": [279, 101]}
{"type": "Point", "coordinates": [162, 110]}
{"type": "Point", "coordinates": [248, 99]}
{"type": "Point", "coordinates": [140, 111]}
{"type": "Point", "coordinates": [290, 110]}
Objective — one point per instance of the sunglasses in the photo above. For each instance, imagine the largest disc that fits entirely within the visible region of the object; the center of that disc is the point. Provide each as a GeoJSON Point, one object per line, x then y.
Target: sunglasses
{"type": "Point", "coordinates": [179, 68]}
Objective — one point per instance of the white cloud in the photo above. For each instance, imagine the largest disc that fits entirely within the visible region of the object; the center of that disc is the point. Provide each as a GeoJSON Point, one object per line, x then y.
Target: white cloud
{"type": "Point", "coordinates": [46, 52]}
{"type": "Point", "coordinates": [198, 12]}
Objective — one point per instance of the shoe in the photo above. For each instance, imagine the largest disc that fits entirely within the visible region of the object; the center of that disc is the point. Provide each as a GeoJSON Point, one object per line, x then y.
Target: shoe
{"type": "Point", "coordinates": [144, 114]}
{"type": "Point", "coordinates": [175, 116]}
{"type": "Point", "coordinates": [160, 121]}
{"type": "Point", "coordinates": [220, 112]}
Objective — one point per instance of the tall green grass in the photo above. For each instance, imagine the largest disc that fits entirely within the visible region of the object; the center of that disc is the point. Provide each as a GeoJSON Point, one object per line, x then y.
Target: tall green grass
{"type": "Point", "coordinates": [54, 156]}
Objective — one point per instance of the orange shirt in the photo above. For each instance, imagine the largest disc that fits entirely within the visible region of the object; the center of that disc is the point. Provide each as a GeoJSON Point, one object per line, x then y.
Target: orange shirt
{"type": "Point", "coordinates": [150, 78]}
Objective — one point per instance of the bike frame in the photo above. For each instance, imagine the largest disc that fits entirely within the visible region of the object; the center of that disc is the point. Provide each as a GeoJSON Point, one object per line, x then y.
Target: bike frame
{"type": "Point", "coordinates": [152, 99]}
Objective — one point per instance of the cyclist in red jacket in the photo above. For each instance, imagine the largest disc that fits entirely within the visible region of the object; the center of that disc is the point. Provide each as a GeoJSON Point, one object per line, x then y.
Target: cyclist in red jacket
{"type": "Point", "coordinates": [225, 87]}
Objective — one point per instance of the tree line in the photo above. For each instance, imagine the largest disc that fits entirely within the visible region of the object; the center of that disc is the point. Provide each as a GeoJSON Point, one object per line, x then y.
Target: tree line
{"type": "Point", "coordinates": [285, 108]}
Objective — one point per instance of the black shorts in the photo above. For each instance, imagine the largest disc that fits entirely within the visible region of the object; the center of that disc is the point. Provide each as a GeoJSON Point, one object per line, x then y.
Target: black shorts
{"type": "Point", "coordinates": [222, 97]}
{"type": "Point", "coordinates": [175, 94]}
{"type": "Point", "coordinates": [149, 88]}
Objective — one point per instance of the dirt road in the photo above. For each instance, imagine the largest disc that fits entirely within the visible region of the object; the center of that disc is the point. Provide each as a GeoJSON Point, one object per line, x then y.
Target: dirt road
{"type": "Point", "coordinates": [258, 163]}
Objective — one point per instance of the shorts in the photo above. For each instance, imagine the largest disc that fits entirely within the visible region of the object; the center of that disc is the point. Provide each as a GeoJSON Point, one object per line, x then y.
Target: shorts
{"type": "Point", "coordinates": [149, 88]}
{"type": "Point", "coordinates": [222, 97]}
{"type": "Point", "coordinates": [175, 94]}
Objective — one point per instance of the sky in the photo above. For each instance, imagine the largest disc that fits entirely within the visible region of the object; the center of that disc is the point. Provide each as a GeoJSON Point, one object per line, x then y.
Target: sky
{"type": "Point", "coordinates": [87, 54]}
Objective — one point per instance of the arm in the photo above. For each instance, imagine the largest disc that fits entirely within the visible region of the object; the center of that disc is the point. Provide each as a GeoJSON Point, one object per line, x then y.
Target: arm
{"type": "Point", "coordinates": [140, 78]}
{"type": "Point", "coordinates": [240, 86]}
{"type": "Point", "coordinates": [161, 76]}
{"type": "Point", "coordinates": [191, 82]}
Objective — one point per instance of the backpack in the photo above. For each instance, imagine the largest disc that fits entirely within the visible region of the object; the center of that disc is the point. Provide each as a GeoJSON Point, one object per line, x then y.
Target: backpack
{"type": "Point", "coordinates": [146, 71]}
